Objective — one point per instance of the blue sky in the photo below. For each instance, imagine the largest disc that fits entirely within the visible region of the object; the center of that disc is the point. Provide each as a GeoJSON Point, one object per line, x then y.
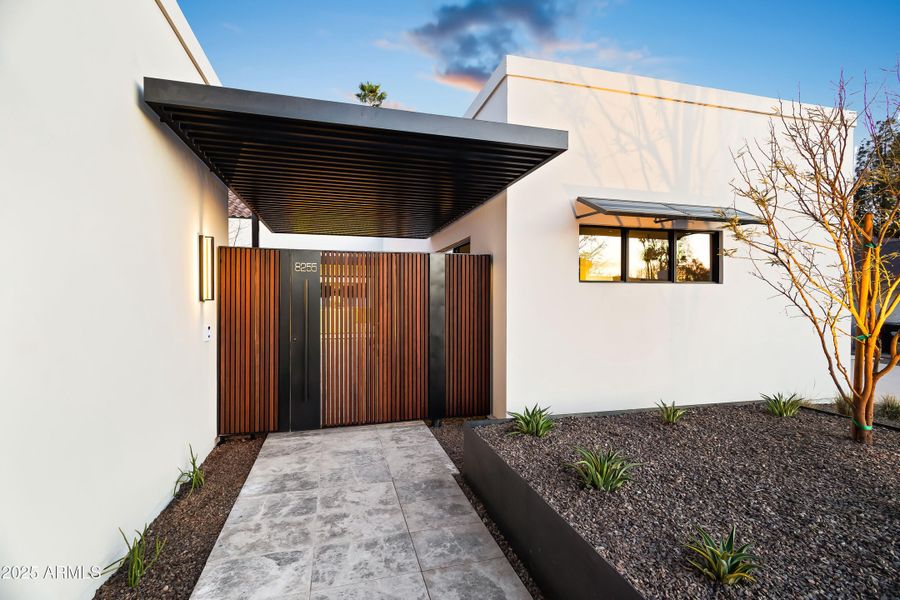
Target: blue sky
{"type": "Point", "coordinates": [430, 55]}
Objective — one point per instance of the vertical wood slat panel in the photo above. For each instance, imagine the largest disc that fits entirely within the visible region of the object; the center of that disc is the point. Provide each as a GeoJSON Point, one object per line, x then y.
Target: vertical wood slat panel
{"type": "Point", "coordinates": [248, 314]}
{"type": "Point", "coordinates": [467, 331]}
{"type": "Point", "coordinates": [376, 337]}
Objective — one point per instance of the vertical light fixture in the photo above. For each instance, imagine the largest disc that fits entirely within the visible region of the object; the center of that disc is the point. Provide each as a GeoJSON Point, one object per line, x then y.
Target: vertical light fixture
{"type": "Point", "coordinates": [207, 269]}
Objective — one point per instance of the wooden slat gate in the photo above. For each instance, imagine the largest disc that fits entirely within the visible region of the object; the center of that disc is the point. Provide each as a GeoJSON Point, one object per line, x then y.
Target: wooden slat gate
{"type": "Point", "coordinates": [375, 337]}
{"type": "Point", "coordinates": [249, 282]}
{"type": "Point", "coordinates": [467, 338]}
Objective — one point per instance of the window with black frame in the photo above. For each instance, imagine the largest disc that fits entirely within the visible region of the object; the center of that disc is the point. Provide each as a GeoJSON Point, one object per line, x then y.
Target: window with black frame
{"type": "Point", "coordinates": [600, 254]}
{"type": "Point", "coordinates": [464, 248]}
{"type": "Point", "coordinates": [694, 256]}
{"type": "Point", "coordinates": [648, 255]}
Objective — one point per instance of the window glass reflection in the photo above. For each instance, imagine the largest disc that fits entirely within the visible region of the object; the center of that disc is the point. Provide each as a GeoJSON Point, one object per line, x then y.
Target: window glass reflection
{"type": "Point", "coordinates": [694, 252]}
{"type": "Point", "coordinates": [599, 254]}
{"type": "Point", "coordinates": [648, 255]}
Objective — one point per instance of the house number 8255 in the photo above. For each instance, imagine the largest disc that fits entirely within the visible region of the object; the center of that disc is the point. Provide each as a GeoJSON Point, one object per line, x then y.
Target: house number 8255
{"type": "Point", "coordinates": [306, 267]}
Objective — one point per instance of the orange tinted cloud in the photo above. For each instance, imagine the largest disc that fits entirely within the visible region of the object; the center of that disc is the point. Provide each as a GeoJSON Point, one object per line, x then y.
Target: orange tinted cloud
{"type": "Point", "coordinates": [463, 81]}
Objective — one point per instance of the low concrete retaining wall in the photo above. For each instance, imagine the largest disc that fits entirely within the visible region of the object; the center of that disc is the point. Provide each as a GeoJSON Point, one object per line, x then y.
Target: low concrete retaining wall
{"type": "Point", "coordinates": [562, 563]}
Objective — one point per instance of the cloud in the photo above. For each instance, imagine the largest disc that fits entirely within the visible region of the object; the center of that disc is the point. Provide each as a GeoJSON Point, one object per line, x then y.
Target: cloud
{"type": "Point", "coordinates": [387, 44]}
{"type": "Point", "coordinates": [232, 28]}
{"type": "Point", "coordinates": [614, 55]}
{"type": "Point", "coordinates": [396, 104]}
{"type": "Point", "coordinates": [605, 53]}
{"type": "Point", "coordinates": [472, 81]}
{"type": "Point", "coordinates": [468, 41]}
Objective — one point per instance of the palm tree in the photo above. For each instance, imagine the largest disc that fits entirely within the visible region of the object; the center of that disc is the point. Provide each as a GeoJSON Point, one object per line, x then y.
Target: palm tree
{"type": "Point", "coordinates": [371, 94]}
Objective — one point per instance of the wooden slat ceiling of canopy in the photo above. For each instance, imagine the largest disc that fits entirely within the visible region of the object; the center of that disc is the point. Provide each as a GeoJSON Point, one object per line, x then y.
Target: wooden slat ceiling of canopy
{"type": "Point", "coordinates": [318, 167]}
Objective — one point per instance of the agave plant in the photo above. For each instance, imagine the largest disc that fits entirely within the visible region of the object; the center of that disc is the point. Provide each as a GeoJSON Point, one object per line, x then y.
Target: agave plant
{"type": "Point", "coordinates": [137, 560]}
{"type": "Point", "coordinates": [607, 470]}
{"type": "Point", "coordinates": [670, 414]}
{"type": "Point", "coordinates": [720, 560]}
{"type": "Point", "coordinates": [194, 475]}
{"type": "Point", "coordinates": [780, 405]}
{"type": "Point", "coordinates": [534, 421]}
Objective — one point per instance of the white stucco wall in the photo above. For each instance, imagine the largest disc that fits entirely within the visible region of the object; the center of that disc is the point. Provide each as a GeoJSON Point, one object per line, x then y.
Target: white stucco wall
{"type": "Point", "coordinates": [601, 346]}
{"type": "Point", "coordinates": [485, 227]}
{"type": "Point", "coordinates": [267, 239]}
{"type": "Point", "coordinates": [240, 234]}
{"type": "Point", "coordinates": [104, 376]}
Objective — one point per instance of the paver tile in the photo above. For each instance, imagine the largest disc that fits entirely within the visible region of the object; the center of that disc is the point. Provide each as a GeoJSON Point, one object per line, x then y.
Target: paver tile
{"type": "Point", "coordinates": [402, 587]}
{"type": "Point", "coordinates": [487, 580]}
{"type": "Point", "coordinates": [356, 561]}
{"type": "Point", "coordinates": [420, 488]}
{"type": "Point", "coordinates": [274, 576]}
{"type": "Point", "coordinates": [281, 507]}
{"type": "Point", "coordinates": [459, 544]}
{"type": "Point", "coordinates": [441, 511]}
{"type": "Point", "coordinates": [256, 538]}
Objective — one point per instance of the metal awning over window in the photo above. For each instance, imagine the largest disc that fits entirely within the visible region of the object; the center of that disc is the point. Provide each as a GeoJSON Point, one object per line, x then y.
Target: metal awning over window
{"type": "Point", "coordinates": [311, 166]}
{"type": "Point", "coordinates": [662, 212]}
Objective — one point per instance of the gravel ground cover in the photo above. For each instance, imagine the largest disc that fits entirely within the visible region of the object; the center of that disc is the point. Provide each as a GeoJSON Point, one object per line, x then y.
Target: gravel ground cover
{"type": "Point", "coordinates": [190, 525]}
{"type": "Point", "coordinates": [450, 437]}
{"type": "Point", "coordinates": [822, 512]}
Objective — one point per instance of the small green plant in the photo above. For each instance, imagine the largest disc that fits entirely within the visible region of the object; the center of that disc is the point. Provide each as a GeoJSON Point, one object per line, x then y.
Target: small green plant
{"type": "Point", "coordinates": [843, 405]}
{"type": "Point", "coordinates": [781, 405]}
{"type": "Point", "coordinates": [534, 421]}
{"type": "Point", "coordinates": [670, 414]}
{"type": "Point", "coordinates": [889, 407]}
{"type": "Point", "coordinates": [607, 470]}
{"type": "Point", "coordinates": [194, 475]}
{"type": "Point", "coordinates": [136, 559]}
{"type": "Point", "coordinates": [720, 560]}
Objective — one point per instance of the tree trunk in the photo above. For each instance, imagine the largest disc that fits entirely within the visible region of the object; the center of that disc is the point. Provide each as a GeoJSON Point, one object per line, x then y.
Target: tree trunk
{"type": "Point", "coordinates": [860, 434]}
{"type": "Point", "coordinates": [866, 344]}
{"type": "Point", "coordinates": [864, 405]}
{"type": "Point", "coordinates": [863, 390]}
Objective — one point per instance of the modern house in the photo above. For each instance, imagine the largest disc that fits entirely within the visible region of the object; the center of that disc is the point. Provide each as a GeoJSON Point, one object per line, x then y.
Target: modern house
{"type": "Point", "coordinates": [648, 165]}
{"type": "Point", "coordinates": [617, 332]}
{"type": "Point", "coordinates": [596, 198]}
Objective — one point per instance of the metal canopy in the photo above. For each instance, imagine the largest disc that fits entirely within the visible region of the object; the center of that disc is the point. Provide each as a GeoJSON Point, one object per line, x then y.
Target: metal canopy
{"type": "Point", "coordinates": [664, 212]}
{"type": "Point", "coordinates": [311, 166]}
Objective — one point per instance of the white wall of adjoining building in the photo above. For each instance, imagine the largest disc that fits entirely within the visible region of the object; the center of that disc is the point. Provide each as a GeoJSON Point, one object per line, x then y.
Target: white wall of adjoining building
{"type": "Point", "coordinates": [485, 228]}
{"type": "Point", "coordinates": [601, 346]}
{"type": "Point", "coordinates": [240, 235]}
{"type": "Point", "coordinates": [240, 232]}
{"type": "Point", "coordinates": [104, 375]}
{"type": "Point", "coordinates": [349, 243]}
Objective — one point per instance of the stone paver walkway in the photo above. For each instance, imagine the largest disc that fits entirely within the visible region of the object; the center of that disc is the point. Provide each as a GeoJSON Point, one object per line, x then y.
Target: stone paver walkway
{"type": "Point", "coordinates": [355, 513]}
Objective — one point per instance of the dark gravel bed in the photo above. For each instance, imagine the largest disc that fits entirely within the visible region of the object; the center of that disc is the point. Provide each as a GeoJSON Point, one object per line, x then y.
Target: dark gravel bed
{"type": "Point", "coordinates": [822, 512]}
{"type": "Point", "coordinates": [190, 525]}
{"type": "Point", "coordinates": [450, 436]}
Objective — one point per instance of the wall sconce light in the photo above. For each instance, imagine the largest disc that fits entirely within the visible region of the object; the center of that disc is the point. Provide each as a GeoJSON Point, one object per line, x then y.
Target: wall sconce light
{"type": "Point", "coordinates": [207, 268]}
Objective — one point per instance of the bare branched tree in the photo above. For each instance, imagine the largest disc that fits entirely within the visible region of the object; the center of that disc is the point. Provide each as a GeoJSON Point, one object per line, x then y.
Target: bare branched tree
{"type": "Point", "coordinates": [821, 248]}
{"type": "Point", "coordinates": [235, 228]}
